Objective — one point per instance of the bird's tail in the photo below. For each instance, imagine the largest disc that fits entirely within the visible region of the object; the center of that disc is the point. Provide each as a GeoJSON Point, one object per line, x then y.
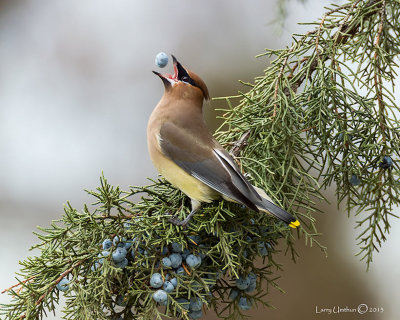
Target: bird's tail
{"type": "Point", "coordinates": [267, 205]}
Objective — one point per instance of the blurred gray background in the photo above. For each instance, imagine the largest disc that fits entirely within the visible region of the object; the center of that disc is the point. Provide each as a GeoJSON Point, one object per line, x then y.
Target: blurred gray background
{"type": "Point", "coordinates": [76, 90]}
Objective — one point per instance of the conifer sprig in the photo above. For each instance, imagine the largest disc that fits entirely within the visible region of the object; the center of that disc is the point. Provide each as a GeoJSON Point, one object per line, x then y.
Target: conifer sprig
{"type": "Point", "coordinates": [323, 113]}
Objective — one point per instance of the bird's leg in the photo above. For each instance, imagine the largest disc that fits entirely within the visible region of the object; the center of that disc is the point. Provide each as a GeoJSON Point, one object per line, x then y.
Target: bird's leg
{"type": "Point", "coordinates": [196, 205]}
{"type": "Point", "coordinates": [178, 222]}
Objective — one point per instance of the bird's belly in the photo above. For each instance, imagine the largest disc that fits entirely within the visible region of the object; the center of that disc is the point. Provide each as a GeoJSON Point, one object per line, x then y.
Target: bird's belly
{"type": "Point", "coordinates": [179, 178]}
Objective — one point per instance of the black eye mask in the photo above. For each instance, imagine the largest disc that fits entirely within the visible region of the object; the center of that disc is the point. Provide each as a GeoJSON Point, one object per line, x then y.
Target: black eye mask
{"type": "Point", "coordinates": [184, 76]}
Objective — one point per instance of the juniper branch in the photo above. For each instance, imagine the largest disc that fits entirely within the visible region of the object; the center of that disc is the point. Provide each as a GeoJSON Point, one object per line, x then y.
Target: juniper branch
{"type": "Point", "coordinates": [310, 95]}
{"type": "Point", "coordinates": [303, 125]}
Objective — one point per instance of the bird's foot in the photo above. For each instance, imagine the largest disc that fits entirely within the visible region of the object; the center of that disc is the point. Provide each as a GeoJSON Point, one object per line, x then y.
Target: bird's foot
{"type": "Point", "coordinates": [183, 223]}
{"type": "Point", "coordinates": [178, 222]}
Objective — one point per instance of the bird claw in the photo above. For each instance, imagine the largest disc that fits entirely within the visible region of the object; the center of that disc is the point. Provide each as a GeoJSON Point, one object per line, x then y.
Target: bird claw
{"type": "Point", "coordinates": [178, 222]}
{"type": "Point", "coordinates": [183, 223]}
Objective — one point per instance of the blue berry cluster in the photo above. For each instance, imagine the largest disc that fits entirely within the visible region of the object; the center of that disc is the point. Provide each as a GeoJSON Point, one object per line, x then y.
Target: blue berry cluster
{"type": "Point", "coordinates": [171, 264]}
{"type": "Point", "coordinates": [386, 163]}
{"type": "Point", "coordinates": [177, 263]}
{"type": "Point", "coordinates": [118, 249]}
{"type": "Point", "coordinates": [181, 261]}
{"type": "Point", "coordinates": [244, 285]}
{"type": "Point", "coordinates": [184, 276]}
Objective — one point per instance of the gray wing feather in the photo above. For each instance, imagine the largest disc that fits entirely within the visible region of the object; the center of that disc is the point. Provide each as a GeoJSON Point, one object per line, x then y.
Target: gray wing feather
{"type": "Point", "coordinates": [206, 165]}
{"type": "Point", "coordinates": [215, 168]}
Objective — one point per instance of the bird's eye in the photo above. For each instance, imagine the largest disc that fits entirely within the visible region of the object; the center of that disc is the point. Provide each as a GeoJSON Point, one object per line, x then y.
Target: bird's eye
{"type": "Point", "coordinates": [188, 80]}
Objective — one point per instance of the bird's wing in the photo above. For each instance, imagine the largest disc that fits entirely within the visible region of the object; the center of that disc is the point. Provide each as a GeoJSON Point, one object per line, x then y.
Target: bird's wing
{"type": "Point", "coordinates": [208, 163]}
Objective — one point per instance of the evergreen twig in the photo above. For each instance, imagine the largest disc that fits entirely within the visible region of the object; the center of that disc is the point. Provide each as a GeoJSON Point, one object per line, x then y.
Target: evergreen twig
{"type": "Point", "coordinates": [323, 113]}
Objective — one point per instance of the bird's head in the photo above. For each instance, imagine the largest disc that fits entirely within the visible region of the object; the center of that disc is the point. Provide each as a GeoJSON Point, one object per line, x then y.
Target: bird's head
{"type": "Point", "coordinates": [184, 79]}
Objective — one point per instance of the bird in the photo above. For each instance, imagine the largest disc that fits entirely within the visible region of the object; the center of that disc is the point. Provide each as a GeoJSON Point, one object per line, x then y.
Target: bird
{"type": "Point", "coordinates": [187, 155]}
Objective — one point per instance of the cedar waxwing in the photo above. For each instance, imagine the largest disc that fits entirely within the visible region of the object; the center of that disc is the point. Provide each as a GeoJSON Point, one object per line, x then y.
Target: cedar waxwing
{"type": "Point", "coordinates": [184, 151]}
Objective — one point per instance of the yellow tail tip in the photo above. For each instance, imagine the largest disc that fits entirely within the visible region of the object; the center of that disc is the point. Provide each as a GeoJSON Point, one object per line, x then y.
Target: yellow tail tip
{"type": "Point", "coordinates": [294, 224]}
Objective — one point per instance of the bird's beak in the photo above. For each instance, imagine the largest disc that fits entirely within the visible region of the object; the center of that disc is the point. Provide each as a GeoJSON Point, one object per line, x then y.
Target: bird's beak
{"type": "Point", "coordinates": [176, 63]}
{"type": "Point", "coordinates": [176, 66]}
{"type": "Point", "coordinates": [169, 79]}
{"type": "Point", "coordinates": [179, 71]}
{"type": "Point", "coordinates": [166, 79]}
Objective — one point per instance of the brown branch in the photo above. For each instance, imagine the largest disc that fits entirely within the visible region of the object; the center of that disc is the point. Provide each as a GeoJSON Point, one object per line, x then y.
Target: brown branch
{"type": "Point", "coordinates": [344, 33]}
{"type": "Point", "coordinates": [377, 75]}
{"type": "Point", "coordinates": [308, 129]}
{"type": "Point", "coordinates": [313, 64]}
{"type": "Point", "coordinates": [319, 32]}
{"type": "Point", "coordinates": [18, 284]}
{"type": "Point", "coordinates": [344, 29]}
{"type": "Point", "coordinates": [62, 275]}
{"type": "Point", "coordinates": [125, 216]}
{"type": "Point", "coordinates": [295, 67]}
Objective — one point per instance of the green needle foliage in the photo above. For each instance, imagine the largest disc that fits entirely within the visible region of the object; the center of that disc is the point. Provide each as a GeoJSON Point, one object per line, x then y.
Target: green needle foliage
{"type": "Point", "coordinates": [324, 111]}
{"type": "Point", "coordinates": [71, 249]}
{"type": "Point", "coordinates": [322, 114]}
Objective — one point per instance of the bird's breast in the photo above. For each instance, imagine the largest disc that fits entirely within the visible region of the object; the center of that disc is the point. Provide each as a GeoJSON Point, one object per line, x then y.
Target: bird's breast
{"type": "Point", "coordinates": [179, 178]}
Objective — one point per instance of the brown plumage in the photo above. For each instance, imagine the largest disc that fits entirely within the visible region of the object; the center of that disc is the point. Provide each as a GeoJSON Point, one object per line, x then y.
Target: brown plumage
{"type": "Point", "coordinates": [184, 151]}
